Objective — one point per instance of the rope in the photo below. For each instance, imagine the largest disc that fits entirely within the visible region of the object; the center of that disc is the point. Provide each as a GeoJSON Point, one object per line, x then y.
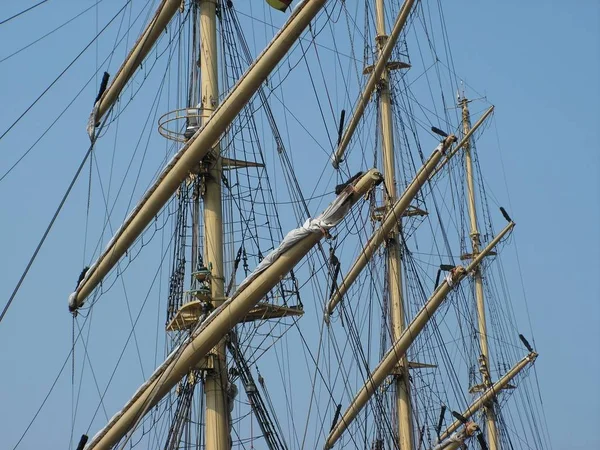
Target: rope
{"type": "Point", "coordinates": [22, 12]}
{"type": "Point", "coordinates": [63, 72]}
{"type": "Point", "coordinates": [47, 231]}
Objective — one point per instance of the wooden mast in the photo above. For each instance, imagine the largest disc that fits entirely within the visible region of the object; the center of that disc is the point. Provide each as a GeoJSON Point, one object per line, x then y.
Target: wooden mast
{"type": "Point", "coordinates": [195, 149]}
{"type": "Point", "coordinates": [490, 393]}
{"type": "Point", "coordinates": [215, 383]}
{"type": "Point", "coordinates": [211, 331]}
{"type": "Point", "coordinates": [399, 347]}
{"type": "Point", "coordinates": [431, 168]}
{"type": "Point", "coordinates": [376, 71]}
{"type": "Point", "coordinates": [140, 50]}
{"type": "Point", "coordinates": [484, 358]}
{"type": "Point", "coordinates": [394, 262]}
{"type": "Point", "coordinates": [214, 121]}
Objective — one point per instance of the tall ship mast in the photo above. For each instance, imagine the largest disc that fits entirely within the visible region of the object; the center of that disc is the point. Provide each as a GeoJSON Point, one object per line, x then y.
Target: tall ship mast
{"type": "Point", "coordinates": [311, 224]}
{"type": "Point", "coordinates": [393, 263]}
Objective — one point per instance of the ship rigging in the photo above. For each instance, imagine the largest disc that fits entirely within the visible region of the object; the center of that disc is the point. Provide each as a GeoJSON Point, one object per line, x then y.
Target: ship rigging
{"type": "Point", "coordinates": [381, 310]}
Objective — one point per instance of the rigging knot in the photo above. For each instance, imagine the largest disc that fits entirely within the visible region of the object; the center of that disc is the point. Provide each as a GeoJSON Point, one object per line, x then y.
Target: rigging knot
{"type": "Point", "coordinates": [447, 142]}
{"type": "Point", "coordinates": [455, 275]}
{"type": "Point", "coordinates": [325, 233]}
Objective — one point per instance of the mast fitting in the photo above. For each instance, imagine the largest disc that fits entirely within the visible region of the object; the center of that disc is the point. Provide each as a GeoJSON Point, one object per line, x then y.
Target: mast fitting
{"type": "Point", "coordinates": [82, 441]}
{"type": "Point", "coordinates": [505, 214]}
{"type": "Point", "coordinates": [526, 343]}
{"type": "Point", "coordinates": [103, 85]}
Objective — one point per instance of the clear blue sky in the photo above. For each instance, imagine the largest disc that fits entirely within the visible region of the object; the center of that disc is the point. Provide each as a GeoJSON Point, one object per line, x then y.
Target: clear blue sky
{"type": "Point", "coordinates": [538, 62]}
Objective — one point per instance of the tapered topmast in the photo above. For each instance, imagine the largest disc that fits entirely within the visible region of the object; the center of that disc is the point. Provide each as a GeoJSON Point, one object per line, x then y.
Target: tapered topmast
{"type": "Point", "coordinates": [484, 358]}
{"type": "Point", "coordinates": [394, 263]}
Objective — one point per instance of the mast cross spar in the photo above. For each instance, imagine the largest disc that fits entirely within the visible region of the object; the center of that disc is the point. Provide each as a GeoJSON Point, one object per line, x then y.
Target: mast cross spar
{"type": "Point", "coordinates": [222, 320]}
{"type": "Point", "coordinates": [399, 347]}
{"type": "Point", "coordinates": [195, 149]}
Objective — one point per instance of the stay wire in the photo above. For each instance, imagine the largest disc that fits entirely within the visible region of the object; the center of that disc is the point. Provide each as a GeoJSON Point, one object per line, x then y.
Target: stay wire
{"type": "Point", "coordinates": [158, 271]}
{"type": "Point", "coordinates": [68, 191]}
{"type": "Point", "coordinates": [22, 12]}
{"type": "Point", "coordinates": [64, 71]}
{"type": "Point", "coordinates": [154, 107]}
{"type": "Point", "coordinates": [87, 210]}
{"type": "Point", "coordinates": [16, 52]}
{"type": "Point", "coordinates": [48, 228]}
{"type": "Point", "coordinates": [75, 401]}
{"type": "Point", "coordinates": [18, 161]}
{"type": "Point", "coordinates": [49, 392]}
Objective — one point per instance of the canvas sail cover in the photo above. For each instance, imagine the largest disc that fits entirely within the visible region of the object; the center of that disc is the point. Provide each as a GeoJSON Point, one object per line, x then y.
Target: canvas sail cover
{"type": "Point", "coordinates": [329, 218]}
{"type": "Point", "coordinates": [281, 5]}
{"type": "Point", "coordinates": [334, 214]}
